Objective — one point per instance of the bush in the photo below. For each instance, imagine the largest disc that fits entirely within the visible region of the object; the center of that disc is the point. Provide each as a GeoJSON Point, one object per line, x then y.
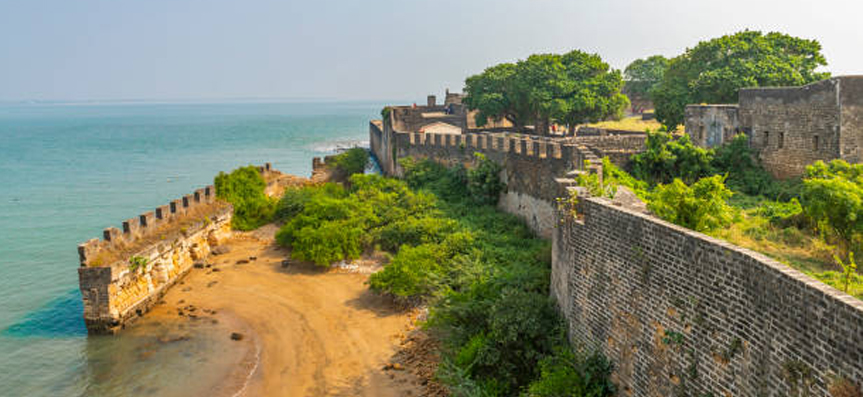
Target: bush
{"type": "Point", "coordinates": [483, 181]}
{"type": "Point", "coordinates": [833, 198]}
{"type": "Point", "coordinates": [666, 158]}
{"type": "Point", "coordinates": [244, 189]}
{"type": "Point", "coordinates": [352, 161]}
{"type": "Point", "coordinates": [782, 214]}
{"type": "Point", "coordinates": [568, 374]}
{"type": "Point", "coordinates": [702, 207]}
{"type": "Point", "coordinates": [328, 224]}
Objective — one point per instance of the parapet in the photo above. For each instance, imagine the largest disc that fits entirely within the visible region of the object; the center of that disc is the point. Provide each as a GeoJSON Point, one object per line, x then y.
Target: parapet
{"type": "Point", "coordinates": [144, 225]}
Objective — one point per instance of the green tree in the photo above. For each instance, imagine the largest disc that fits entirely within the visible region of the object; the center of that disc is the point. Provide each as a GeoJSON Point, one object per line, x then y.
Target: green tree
{"type": "Point", "coordinates": [641, 76]}
{"type": "Point", "coordinates": [493, 94]}
{"type": "Point", "coordinates": [574, 87]}
{"type": "Point", "coordinates": [714, 70]}
{"type": "Point", "coordinates": [596, 90]}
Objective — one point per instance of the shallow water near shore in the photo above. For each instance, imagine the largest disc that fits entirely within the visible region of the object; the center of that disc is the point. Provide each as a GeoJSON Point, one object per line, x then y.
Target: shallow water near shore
{"type": "Point", "coordinates": [69, 170]}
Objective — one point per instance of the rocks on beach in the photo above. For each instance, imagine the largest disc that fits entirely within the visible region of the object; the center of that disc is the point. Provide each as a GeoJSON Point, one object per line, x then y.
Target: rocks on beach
{"type": "Point", "coordinates": [220, 250]}
{"type": "Point", "coordinates": [236, 336]}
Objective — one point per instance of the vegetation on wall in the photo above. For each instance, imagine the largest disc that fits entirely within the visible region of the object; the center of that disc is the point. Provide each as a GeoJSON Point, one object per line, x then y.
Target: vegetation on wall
{"type": "Point", "coordinates": [571, 88]}
{"type": "Point", "coordinates": [813, 225]}
{"type": "Point", "coordinates": [714, 70]}
{"type": "Point", "coordinates": [245, 188]}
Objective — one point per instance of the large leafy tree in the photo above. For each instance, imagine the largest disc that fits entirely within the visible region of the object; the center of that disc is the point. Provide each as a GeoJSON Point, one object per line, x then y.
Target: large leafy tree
{"type": "Point", "coordinates": [595, 93]}
{"type": "Point", "coordinates": [494, 95]}
{"type": "Point", "coordinates": [641, 76]}
{"type": "Point", "coordinates": [713, 71]}
{"type": "Point", "coordinates": [573, 88]}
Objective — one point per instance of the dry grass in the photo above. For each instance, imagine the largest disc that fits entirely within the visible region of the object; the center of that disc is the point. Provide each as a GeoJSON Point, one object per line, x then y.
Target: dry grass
{"type": "Point", "coordinates": [799, 249]}
{"type": "Point", "coordinates": [122, 250]}
{"type": "Point", "coordinates": [634, 123]}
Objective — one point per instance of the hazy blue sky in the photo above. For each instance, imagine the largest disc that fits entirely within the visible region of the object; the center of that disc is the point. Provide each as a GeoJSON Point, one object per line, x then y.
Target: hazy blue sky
{"type": "Point", "coordinates": [355, 49]}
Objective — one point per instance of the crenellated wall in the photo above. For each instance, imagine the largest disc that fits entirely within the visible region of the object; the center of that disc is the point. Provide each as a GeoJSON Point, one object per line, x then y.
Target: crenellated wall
{"type": "Point", "coordinates": [122, 275]}
{"type": "Point", "coordinates": [678, 312]}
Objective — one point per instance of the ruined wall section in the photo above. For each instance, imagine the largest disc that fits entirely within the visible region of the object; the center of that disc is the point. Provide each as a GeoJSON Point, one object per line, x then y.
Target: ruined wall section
{"type": "Point", "coordinates": [122, 275]}
{"type": "Point", "coordinates": [712, 125]}
{"type": "Point", "coordinates": [792, 127]}
{"type": "Point", "coordinates": [681, 313]}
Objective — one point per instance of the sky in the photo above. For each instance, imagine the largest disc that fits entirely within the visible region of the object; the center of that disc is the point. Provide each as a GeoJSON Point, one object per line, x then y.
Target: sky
{"type": "Point", "coordinates": [360, 49]}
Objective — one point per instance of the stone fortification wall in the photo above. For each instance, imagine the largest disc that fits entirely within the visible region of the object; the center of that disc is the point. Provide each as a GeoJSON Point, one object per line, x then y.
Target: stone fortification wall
{"type": "Point", "coordinates": [711, 125]}
{"type": "Point", "coordinates": [526, 164]}
{"type": "Point", "coordinates": [618, 148]}
{"type": "Point", "coordinates": [851, 118]}
{"type": "Point", "coordinates": [678, 312]}
{"type": "Point", "coordinates": [792, 127]}
{"type": "Point", "coordinates": [411, 119]}
{"type": "Point", "coordinates": [681, 313]}
{"type": "Point", "coordinates": [125, 273]}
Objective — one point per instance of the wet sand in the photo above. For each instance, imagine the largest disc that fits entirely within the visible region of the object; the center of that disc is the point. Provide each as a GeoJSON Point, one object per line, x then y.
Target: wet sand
{"type": "Point", "coordinates": [309, 331]}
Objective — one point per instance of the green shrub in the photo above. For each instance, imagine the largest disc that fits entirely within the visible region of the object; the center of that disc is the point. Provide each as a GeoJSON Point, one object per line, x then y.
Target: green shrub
{"type": "Point", "coordinates": [483, 181]}
{"type": "Point", "coordinates": [702, 207]}
{"type": "Point", "coordinates": [351, 161]}
{"type": "Point", "coordinates": [244, 189]}
{"type": "Point", "coordinates": [667, 158]}
{"type": "Point", "coordinates": [566, 374]}
{"type": "Point", "coordinates": [782, 214]}
{"type": "Point", "coordinates": [328, 224]}
{"type": "Point", "coordinates": [833, 199]}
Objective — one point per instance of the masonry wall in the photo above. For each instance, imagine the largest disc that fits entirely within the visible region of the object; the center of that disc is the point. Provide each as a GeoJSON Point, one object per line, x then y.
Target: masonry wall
{"type": "Point", "coordinates": [168, 239]}
{"type": "Point", "coordinates": [683, 314]}
{"type": "Point", "coordinates": [711, 125]}
{"type": "Point", "coordinates": [793, 127]}
{"type": "Point", "coordinates": [851, 118]}
{"type": "Point", "coordinates": [528, 167]}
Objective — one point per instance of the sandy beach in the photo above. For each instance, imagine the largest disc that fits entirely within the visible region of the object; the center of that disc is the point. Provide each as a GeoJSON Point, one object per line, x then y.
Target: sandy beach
{"type": "Point", "coordinates": [309, 331]}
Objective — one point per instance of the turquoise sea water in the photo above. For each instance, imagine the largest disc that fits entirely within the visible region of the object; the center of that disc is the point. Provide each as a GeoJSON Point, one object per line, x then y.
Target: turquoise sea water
{"type": "Point", "coordinates": [69, 170]}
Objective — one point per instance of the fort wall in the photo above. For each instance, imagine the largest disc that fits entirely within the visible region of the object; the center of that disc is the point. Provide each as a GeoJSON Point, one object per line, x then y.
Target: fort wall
{"type": "Point", "coordinates": [793, 127]}
{"type": "Point", "coordinates": [681, 313]}
{"type": "Point", "coordinates": [122, 275]}
{"type": "Point", "coordinates": [678, 312]}
{"type": "Point", "coordinates": [712, 125]}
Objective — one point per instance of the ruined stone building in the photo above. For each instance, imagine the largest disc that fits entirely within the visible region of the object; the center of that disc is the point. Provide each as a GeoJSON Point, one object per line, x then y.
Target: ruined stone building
{"type": "Point", "coordinates": [789, 127]}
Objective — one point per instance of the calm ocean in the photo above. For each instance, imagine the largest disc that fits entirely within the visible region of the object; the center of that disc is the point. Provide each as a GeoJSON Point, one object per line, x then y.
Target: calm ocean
{"type": "Point", "coordinates": [69, 170]}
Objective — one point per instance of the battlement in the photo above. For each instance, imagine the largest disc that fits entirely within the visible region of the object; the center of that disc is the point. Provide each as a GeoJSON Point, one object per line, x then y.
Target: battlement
{"type": "Point", "coordinates": [501, 143]}
{"type": "Point", "coordinates": [136, 231]}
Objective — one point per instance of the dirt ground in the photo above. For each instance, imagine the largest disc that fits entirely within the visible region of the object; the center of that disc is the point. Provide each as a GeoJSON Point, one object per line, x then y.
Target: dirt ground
{"type": "Point", "coordinates": [311, 332]}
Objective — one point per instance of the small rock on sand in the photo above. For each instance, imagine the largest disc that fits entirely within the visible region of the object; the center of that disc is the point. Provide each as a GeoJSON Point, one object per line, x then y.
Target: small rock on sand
{"type": "Point", "coordinates": [198, 265]}
{"type": "Point", "coordinates": [242, 261]}
{"type": "Point", "coordinates": [220, 250]}
{"type": "Point", "coordinates": [212, 283]}
{"type": "Point", "coordinates": [286, 263]}
{"type": "Point", "coordinates": [236, 336]}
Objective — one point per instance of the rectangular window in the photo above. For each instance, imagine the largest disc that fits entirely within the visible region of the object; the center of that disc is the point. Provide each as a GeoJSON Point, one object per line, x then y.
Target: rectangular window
{"type": "Point", "coordinates": [815, 142]}
{"type": "Point", "coordinates": [781, 139]}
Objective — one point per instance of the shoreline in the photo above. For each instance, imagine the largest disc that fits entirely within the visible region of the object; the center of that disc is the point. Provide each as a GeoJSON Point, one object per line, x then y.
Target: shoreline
{"type": "Point", "coordinates": [309, 330]}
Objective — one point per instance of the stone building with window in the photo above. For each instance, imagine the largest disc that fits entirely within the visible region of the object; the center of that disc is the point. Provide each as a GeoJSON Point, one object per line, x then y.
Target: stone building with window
{"type": "Point", "coordinates": [788, 127]}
